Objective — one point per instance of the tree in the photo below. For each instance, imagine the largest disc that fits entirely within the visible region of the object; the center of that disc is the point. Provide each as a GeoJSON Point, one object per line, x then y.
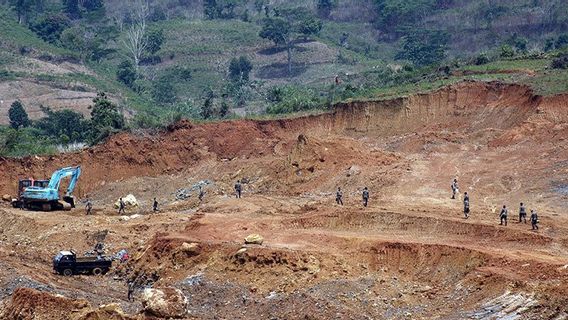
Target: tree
{"type": "Point", "coordinates": [136, 41]}
{"type": "Point", "coordinates": [105, 118]}
{"type": "Point", "coordinates": [92, 5]}
{"type": "Point", "coordinates": [210, 9]}
{"type": "Point", "coordinates": [74, 39]}
{"type": "Point", "coordinates": [18, 116]}
{"type": "Point", "coordinates": [224, 110]}
{"type": "Point", "coordinates": [287, 27]}
{"type": "Point", "coordinates": [207, 108]}
{"type": "Point", "coordinates": [63, 125]}
{"type": "Point", "coordinates": [126, 73]}
{"type": "Point", "coordinates": [50, 27]}
{"type": "Point", "coordinates": [549, 44]}
{"type": "Point", "coordinates": [239, 69]}
{"type": "Point", "coordinates": [562, 41]}
{"type": "Point", "coordinates": [22, 8]}
{"type": "Point", "coordinates": [395, 15]}
{"type": "Point", "coordinates": [163, 91]}
{"type": "Point", "coordinates": [518, 43]}
{"type": "Point", "coordinates": [424, 48]}
{"type": "Point", "coordinates": [221, 9]}
{"type": "Point", "coordinates": [71, 8]}
{"type": "Point", "coordinates": [506, 51]}
{"type": "Point", "coordinates": [259, 5]}
{"type": "Point", "coordinates": [324, 8]}
{"type": "Point", "coordinates": [154, 41]}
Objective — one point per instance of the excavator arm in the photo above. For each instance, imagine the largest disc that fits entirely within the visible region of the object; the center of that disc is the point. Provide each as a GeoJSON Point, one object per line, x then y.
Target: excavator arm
{"type": "Point", "coordinates": [58, 175]}
{"type": "Point", "coordinates": [74, 178]}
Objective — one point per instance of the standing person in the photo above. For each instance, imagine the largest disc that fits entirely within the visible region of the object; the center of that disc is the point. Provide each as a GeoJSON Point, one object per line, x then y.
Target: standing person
{"type": "Point", "coordinates": [365, 196]}
{"type": "Point", "coordinates": [522, 213]}
{"type": "Point", "coordinates": [534, 220]}
{"type": "Point", "coordinates": [89, 206]}
{"type": "Point", "coordinates": [155, 205]}
{"type": "Point", "coordinates": [455, 188]}
{"type": "Point", "coordinates": [339, 196]}
{"type": "Point", "coordinates": [201, 194]}
{"type": "Point", "coordinates": [503, 215]}
{"type": "Point", "coordinates": [238, 189]}
{"type": "Point", "coordinates": [130, 289]}
{"type": "Point", "coordinates": [121, 206]}
{"type": "Point", "coordinates": [466, 205]}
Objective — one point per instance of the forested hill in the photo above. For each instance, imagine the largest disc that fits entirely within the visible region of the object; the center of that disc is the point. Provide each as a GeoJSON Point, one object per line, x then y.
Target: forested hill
{"type": "Point", "coordinates": [159, 60]}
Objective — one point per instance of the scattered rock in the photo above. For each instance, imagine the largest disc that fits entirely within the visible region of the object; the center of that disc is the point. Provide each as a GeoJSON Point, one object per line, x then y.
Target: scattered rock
{"type": "Point", "coordinates": [192, 249]}
{"type": "Point", "coordinates": [353, 170]}
{"type": "Point", "coordinates": [164, 303]}
{"type": "Point", "coordinates": [254, 239]}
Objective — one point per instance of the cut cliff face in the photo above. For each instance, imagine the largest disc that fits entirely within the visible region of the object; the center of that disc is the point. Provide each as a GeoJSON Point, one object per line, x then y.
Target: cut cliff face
{"type": "Point", "coordinates": [467, 107]}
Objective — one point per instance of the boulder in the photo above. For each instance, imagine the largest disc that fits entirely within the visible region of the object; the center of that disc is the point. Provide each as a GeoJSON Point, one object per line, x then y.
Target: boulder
{"type": "Point", "coordinates": [190, 248]}
{"type": "Point", "coordinates": [254, 239]}
{"type": "Point", "coordinates": [130, 202]}
{"type": "Point", "coordinates": [7, 197]}
{"type": "Point", "coordinates": [164, 303]}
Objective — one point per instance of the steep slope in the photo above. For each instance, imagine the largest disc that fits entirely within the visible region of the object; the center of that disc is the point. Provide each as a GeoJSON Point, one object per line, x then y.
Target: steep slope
{"type": "Point", "coordinates": [468, 107]}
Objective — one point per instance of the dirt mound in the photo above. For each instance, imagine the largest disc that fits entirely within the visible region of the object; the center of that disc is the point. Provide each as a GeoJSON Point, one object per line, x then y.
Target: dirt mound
{"type": "Point", "coordinates": [32, 304]}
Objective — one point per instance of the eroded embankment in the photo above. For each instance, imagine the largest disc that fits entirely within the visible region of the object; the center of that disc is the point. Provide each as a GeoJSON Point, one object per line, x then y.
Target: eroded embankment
{"type": "Point", "coordinates": [435, 274]}
{"type": "Point", "coordinates": [465, 106]}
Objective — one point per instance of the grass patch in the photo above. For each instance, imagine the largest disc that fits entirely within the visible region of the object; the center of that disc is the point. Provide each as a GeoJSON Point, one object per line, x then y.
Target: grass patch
{"type": "Point", "coordinates": [506, 65]}
{"type": "Point", "coordinates": [16, 36]}
{"type": "Point", "coordinates": [550, 82]}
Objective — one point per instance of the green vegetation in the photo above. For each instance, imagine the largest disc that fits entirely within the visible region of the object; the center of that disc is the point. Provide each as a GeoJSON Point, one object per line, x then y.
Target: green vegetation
{"type": "Point", "coordinates": [23, 142]}
{"type": "Point", "coordinates": [18, 116]}
{"type": "Point", "coordinates": [287, 26]}
{"type": "Point", "coordinates": [64, 126]}
{"type": "Point", "coordinates": [105, 119]}
{"type": "Point", "coordinates": [160, 61]}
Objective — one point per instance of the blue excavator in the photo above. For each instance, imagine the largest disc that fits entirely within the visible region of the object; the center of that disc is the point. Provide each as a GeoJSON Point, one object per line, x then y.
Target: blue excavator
{"type": "Point", "coordinates": [47, 198]}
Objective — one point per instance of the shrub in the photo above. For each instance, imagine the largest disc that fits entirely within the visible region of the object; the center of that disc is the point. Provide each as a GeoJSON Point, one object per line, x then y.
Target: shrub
{"type": "Point", "coordinates": [293, 99]}
{"type": "Point", "coordinates": [560, 62]}
{"type": "Point", "coordinates": [481, 59]}
{"type": "Point", "coordinates": [506, 51]}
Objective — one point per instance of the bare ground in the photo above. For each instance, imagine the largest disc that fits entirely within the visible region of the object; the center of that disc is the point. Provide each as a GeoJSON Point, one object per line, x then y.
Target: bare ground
{"type": "Point", "coordinates": [410, 254]}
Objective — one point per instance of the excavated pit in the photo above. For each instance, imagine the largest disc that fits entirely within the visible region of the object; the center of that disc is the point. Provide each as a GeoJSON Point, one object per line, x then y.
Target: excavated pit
{"type": "Point", "coordinates": [410, 254]}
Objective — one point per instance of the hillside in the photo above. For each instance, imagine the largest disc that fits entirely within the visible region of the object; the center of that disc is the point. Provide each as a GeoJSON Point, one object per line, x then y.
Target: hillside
{"type": "Point", "coordinates": [61, 54]}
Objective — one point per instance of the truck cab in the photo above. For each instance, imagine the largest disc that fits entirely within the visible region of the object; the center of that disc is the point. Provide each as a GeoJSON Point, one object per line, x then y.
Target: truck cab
{"type": "Point", "coordinates": [67, 263]}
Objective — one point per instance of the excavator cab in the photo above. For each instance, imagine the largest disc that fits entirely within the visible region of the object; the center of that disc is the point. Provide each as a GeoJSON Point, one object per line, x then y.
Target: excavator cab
{"type": "Point", "coordinates": [23, 184]}
{"type": "Point", "coordinates": [41, 183]}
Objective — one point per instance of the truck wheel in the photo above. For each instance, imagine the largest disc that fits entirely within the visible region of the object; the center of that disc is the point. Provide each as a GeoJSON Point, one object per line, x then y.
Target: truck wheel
{"type": "Point", "coordinates": [67, 272]}
{"type": "Point", "coordinates": [97, 271]}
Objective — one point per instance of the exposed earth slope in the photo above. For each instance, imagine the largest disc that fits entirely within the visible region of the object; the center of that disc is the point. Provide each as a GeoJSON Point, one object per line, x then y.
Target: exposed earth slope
{"type": "Point", "coordinates": [410, 254]}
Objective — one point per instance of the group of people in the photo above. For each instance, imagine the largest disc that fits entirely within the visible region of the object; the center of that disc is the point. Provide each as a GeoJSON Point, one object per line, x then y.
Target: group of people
{"type": "Point", "coordinates": [504, 211]}
{"type": "Point", "coordinates": [121, 206]}
{"type": "Point", "coordinates": [364, 194]}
